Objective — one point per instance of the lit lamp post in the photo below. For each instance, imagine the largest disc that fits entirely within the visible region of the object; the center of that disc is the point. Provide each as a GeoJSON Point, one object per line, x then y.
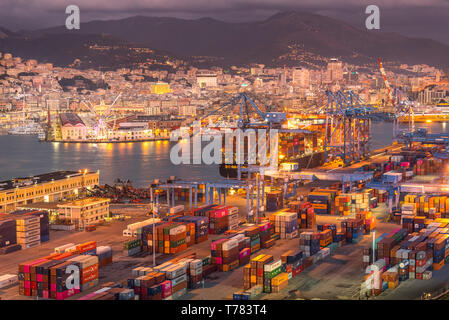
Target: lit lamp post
{"type": "Point", "coordinates": [154, 242]}
{"type": "Point", "coordinates": [152, 211]}
{"type": "Point", "coordinates": [374, 257]}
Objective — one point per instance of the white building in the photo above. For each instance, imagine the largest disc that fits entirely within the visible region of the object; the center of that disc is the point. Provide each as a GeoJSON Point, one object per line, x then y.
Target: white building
{"type": "Point", "coordinates": [334, 71]}
{"type": "Point", "coordinates": [301, 77]}
{"type": "Point", "coordinates": [206, 79]}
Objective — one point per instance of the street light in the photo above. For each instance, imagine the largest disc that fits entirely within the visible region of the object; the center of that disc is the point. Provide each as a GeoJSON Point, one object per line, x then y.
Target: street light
{"type": "Point", "coordinates": [154, 233]}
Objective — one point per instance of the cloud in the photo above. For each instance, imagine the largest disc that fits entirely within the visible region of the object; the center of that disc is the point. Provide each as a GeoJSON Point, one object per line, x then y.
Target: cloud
{"type": "Point", "coordinates": [204, 5]}
{"type": "Point", "coordinates": [424, 18]}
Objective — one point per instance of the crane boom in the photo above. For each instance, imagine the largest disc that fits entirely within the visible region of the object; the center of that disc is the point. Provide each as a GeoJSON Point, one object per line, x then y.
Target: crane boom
{"type": "Point", "coordinates": [384, 75]}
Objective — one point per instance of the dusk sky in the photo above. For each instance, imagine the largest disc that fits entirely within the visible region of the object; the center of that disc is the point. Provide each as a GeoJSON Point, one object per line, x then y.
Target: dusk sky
{"type": "Point", "coordinates": [414, 18]}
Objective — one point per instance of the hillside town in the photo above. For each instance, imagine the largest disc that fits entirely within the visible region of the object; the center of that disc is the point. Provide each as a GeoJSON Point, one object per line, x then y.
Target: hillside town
{"type": "Point", "coordinates": [70, 104]}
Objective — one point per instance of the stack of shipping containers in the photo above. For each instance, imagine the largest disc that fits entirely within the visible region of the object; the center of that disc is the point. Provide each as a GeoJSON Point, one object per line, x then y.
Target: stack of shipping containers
{"type": "Point", "coordinates": [28, 231]}
{"type": "Point", "coordinates": [286, 224]}
{"type": "Point", "coordinates": [274, 200]}
{"type": "Point", "coordinates": [306, 214]}
{"type": "Point", "coordinates": [8, 236]}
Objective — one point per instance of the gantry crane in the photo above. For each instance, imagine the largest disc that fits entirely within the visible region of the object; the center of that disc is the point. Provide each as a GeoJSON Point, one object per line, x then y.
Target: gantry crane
{"type": "Point", "coordinates": [267, 120]}
{"type": "Point", "coordinates": [348, 128]}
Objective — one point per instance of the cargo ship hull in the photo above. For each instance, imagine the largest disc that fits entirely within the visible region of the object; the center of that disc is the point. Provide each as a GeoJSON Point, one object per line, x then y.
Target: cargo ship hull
{"type": "Point", "coordinates": [306, 162]}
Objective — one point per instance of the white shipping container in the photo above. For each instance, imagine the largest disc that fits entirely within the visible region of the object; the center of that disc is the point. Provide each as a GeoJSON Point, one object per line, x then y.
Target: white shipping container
{"type": "Point", "coordinates": [61, 249]}
{"type": "Point", "coordinates": [239, 237]}
{"type": "Point", "coordinates": [409, 174]}
{"type": "Point", "coordinates": [7, 280]}
{"type": "Point", "coordinates": [178, 280]}
{"type": "Point", "coordinates": [138, 225]}
{"type": "Point", "coordinates": [162, 266]}
{"type": "Point", "coordinates": [272, 266]}
{"type": "Point", "coordinates": [127, 233]}
{"type": "Point", "coordinates": [24, 234]}
{"type": "Point", "coordinates": [29, 239]}
{"type": "Point", "coordinates": [233, 210]}
{"type": "Point", "coordinates": [135, 271]}
{"type": "Point", "coordinates": [196, 272]}
{"type": "Point", "coordinates": [103, 249]}
{"type": "Point", "coordinates": [86, 261]}
{"type": "Point", "coordinates": [29, 227]}
{"type": "Point", "coordinates": [230, 244]}
{"type": "Point", "coordinates": [376, 266]}
{"type": "Point", "coordinates": [31, 245]}
{"type": "Point", "coordinates": [29, 221]}
{"type": "Point", "coordinates": [177, 230]}
{"type": "Point", "coordinates": [177, 209]}
{"type": "Point", "coordinates": [195, 264]}
{"type": "Point", "coordinates": [175, 271]}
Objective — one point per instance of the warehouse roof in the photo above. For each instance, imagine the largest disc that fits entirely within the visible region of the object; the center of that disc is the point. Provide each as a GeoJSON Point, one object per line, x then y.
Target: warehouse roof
{"type": "Point", "coordinates": [82, 202]}
{"type": "Point", "coordinates": [41, 178]}
{"type": "Point", "coordinates": [70, 119]}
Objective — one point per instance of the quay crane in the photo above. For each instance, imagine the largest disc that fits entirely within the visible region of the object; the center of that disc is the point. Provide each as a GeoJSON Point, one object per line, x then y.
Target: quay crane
{"type": "Point", "coordinates": [267, 120]}
{"type": "Point", "coordinates": [348, 124]}
{"type": "Point", "coordinates": [403, 112]}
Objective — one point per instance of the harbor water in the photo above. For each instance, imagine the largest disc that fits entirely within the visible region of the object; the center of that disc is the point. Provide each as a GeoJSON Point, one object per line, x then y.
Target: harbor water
{"type": "Point", "coordinates": [139, 162]}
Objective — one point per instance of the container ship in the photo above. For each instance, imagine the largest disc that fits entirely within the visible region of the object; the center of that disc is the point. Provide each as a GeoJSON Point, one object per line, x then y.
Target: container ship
{"type": "Point", "coordinates": [304, 150]}
{"type": "Point", "coordinates": [437, 113]}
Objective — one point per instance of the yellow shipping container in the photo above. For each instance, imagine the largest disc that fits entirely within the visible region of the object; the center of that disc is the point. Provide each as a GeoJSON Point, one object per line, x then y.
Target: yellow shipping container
{"type": "Point", "coordinates": [319, 206]}
{"type": "Point", "coordinates": [279, 279]}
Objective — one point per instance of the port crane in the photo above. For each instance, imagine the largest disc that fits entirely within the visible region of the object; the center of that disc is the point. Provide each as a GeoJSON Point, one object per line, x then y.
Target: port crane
{"type": "Point", "coordinates": [403, 113]}
{"type": "Point", "coordinates": [348, 128]}
{"type": "Point", "coordinates": [251, 117]}
{"type": "Point", "coordinates": [403, 109]}
{"type": "Point", "coordinates": [267, 120]}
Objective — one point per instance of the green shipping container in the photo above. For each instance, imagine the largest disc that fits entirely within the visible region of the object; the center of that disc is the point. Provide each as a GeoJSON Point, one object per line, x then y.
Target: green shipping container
{"type": "Point", "coordinates": [272, 274]}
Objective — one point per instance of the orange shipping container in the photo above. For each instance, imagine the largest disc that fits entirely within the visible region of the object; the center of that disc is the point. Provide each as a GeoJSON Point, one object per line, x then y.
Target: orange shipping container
{"type": "Point", "coordinates": [84, 247]}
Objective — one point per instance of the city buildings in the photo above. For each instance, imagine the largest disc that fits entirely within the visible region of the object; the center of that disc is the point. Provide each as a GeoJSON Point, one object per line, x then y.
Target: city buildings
{"type": "Point", "coordinates": [160, 88]}
{"type": "Point", "coordinates": [100, 100]}
{"type": "Point", "coordinates": [334, 71]}
{"type": "Point", "coordinates": [301, 77]}
{"type": "Point", "coordinates": [205, 78]}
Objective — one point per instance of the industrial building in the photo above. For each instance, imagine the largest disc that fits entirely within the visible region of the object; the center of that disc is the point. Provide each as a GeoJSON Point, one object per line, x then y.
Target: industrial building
{"type": "Point", "coordinates": [72, 127]}
{"type": "Point", "coordinates": [46, 187]}
{"type": "Point", "coordinates": [84, 212]}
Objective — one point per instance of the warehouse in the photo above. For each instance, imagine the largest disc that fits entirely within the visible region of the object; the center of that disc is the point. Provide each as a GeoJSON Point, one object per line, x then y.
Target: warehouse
{"type": "Point", "coordinates": [46, 187]}
{"type": "Point", "coordinates": [84, 212]}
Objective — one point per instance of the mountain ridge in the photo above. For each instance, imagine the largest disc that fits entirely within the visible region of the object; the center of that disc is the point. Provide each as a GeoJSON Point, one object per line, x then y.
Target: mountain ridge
{"type": "Point", "coordinates": [270, 41]}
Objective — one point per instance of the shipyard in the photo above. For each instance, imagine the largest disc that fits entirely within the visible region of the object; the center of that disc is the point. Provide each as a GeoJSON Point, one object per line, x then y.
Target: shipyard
{"type": "Point", "coordinates": [223, 157]}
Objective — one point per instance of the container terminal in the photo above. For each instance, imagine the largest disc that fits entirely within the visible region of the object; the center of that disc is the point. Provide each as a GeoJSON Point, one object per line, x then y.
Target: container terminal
{"type": "Point", "coordinates": [356, 224]}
